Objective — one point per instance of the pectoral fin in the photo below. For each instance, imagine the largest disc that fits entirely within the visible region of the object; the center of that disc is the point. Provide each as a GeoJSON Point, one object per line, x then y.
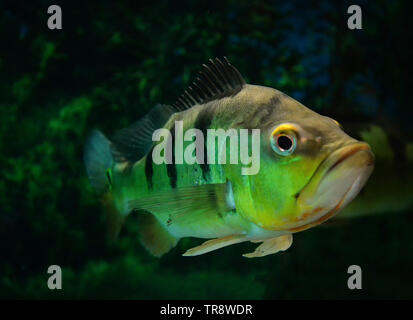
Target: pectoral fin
{"type": "Point", "coordinates": [215, 244]}
{"type": "Point", "coordinates": [187, 204]}
{"type": "Point", "coordinates": [271, 246]}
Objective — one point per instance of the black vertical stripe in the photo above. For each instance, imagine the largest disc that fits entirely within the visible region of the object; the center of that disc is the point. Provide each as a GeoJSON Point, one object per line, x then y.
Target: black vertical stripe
{"type": "Point", "coordinates": [203, 122]}
{"type": "Point", "coordinates": [149, 169]}
{"type": "Point", "coordinates": [171, 168]}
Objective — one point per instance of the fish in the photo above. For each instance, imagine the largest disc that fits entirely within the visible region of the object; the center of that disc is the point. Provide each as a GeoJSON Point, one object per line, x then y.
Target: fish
{"type": "Point", "coordinates": [310, 169]}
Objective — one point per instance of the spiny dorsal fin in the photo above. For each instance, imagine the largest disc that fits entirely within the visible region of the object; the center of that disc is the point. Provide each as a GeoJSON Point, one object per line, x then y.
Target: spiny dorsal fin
{"type": "Point", "coordinates": [132, 143]}
{"type": "Point", "coordinates": [217, 80]}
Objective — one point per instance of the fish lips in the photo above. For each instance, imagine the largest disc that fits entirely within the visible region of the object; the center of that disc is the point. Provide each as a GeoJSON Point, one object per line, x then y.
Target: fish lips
{"type": "Point", "coordinates": [335, 183]}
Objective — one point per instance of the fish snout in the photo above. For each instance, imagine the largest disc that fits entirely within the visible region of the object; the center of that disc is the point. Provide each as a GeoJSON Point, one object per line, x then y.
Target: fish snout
{"type": "Point", "coordinates": [336, 182]}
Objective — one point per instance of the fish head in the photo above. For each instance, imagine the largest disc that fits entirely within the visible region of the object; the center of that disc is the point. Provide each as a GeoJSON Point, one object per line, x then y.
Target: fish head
{"type": "Point", "coordinates": [309, 167]}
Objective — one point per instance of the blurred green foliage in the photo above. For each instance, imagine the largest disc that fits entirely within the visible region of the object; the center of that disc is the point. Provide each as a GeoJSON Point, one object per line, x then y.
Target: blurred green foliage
{"type": "Point", "coordinates": [110, 64]}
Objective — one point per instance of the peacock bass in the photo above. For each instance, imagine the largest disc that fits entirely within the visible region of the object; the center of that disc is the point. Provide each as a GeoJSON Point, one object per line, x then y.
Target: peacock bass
{"type": "Point", "coordinates": [309, 169]}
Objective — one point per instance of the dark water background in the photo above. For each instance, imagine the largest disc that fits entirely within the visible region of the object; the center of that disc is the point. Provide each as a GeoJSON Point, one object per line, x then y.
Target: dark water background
{"type": "Point", "coordinates": [112, 62]}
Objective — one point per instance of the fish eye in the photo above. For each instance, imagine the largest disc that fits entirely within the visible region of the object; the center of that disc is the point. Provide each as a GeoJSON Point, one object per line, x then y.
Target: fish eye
{"type": "Point", "coordinates": [283, 144]}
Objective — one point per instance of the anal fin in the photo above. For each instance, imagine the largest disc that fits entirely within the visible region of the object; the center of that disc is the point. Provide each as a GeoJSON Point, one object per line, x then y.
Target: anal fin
{"type": "Point", "coordinates": [114, 218]}
{"type": "Point", "coordinates": [215, 244]}
{"type": "Point", "coordinates": [271, 246]}
{"type": "Point", "coordinates": [153, 236]}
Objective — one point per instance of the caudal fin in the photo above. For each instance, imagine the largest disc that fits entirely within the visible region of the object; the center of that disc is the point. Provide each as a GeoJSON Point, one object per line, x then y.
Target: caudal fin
{"type": "Point", "coordinates": [99, 161]}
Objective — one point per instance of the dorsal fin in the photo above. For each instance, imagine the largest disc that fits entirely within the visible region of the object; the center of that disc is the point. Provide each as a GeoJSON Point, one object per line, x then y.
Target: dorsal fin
{"type": "Point", "coordinates": [217, 80]}
{"type": "Point", "coordinates": [133, 143]}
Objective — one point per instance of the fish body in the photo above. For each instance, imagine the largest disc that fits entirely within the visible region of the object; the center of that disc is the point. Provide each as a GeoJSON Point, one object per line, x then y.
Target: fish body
{"type": "Point", "coordinates": [309, 169]}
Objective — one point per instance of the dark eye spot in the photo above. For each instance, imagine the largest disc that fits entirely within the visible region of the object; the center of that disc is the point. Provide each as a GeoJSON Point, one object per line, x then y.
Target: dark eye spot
{"type": "Point", "coordinates": [284, 143]}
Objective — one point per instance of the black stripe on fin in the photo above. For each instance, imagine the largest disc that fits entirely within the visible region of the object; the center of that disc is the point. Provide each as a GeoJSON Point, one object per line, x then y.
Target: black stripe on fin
{"type": "Point", "coordinates": [217, 80]}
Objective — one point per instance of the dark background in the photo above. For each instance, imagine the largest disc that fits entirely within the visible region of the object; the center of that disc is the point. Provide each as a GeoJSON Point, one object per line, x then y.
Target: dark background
{"type": "Point", "coordinates": [112, 62]}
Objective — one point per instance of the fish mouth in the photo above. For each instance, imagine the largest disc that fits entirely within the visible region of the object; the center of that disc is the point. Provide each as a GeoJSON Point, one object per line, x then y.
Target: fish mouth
{"type": "Point", "coordinates": [336, 182]}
